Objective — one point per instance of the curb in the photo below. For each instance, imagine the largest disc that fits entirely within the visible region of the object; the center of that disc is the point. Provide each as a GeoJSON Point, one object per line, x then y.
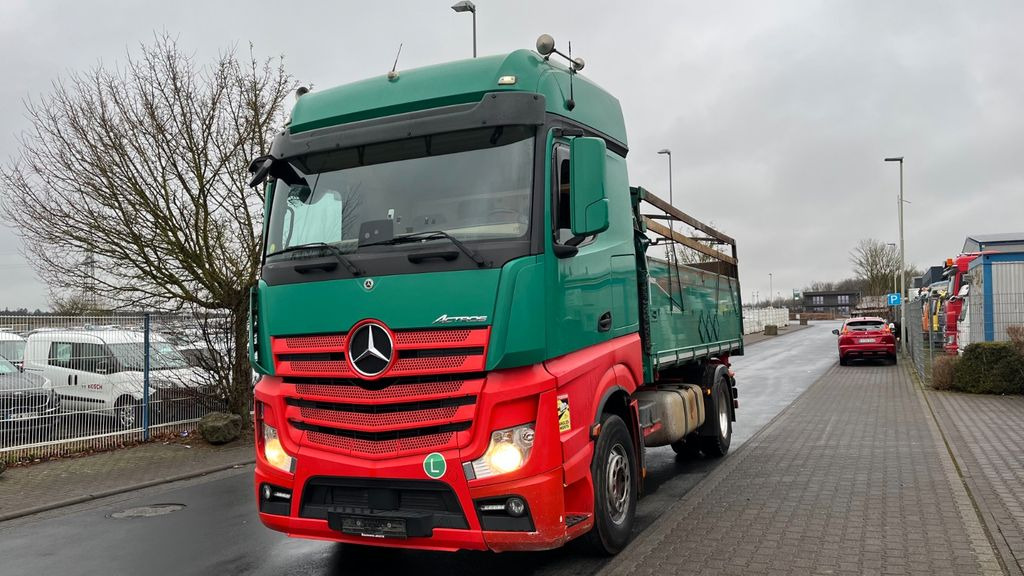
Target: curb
{"type": "Point", "coordinates": [658, 527]}
{"type": "Point", "coordinates": [114, 491]}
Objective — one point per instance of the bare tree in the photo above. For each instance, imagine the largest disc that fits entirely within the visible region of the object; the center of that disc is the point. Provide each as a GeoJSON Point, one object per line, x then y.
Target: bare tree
{"type": "Point", "coordinates": [132, 183]}
{"type": "Point", "coordinates": [876, 263]}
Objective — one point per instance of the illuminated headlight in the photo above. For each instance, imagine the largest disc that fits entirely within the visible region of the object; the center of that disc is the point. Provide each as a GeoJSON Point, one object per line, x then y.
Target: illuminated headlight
{"type": "Point", "coordinates": [508, 451]}
{"type": "Point", "coordinates": [274, 452]}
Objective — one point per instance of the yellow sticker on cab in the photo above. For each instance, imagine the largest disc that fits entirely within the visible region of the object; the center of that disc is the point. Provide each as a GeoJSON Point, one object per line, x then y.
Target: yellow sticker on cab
{"type": "Point", "coordinates": [564, 419]}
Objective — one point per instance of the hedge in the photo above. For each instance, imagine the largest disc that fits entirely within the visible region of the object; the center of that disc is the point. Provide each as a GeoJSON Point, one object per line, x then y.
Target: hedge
{"type": "Point", "coordinates": [990, 368]}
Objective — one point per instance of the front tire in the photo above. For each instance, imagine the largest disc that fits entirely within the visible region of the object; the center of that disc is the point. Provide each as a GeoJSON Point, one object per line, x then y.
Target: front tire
{"type": "Point", "coordinates": [128, 413]}
{"type": "Point", "coordinates": [613, 470]}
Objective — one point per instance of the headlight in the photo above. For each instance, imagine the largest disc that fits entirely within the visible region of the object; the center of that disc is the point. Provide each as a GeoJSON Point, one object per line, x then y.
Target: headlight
{"type": "Point", "coordinates": [274, 452]}
{"type": "Point", "coordinates": [508, 451]}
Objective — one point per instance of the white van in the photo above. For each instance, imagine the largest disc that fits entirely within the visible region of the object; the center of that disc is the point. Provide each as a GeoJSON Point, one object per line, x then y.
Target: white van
{"type": "Point", "coordinates": [102, 370]}
{"type": "Point", "coordinates": [12, 347]}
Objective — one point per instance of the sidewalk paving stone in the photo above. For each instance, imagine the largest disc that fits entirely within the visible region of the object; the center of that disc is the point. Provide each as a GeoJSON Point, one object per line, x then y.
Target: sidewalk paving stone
{"type": "Point", "coordinates": [853, 478]}
{"type": "Point", "coordinates": [987, 434]}
{"type": "Point", "coordinates": [27, 489]}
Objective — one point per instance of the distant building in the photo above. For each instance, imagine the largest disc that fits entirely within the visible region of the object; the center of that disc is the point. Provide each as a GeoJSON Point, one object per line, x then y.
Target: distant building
{"type": "Point", "coordinates": [1009, 242]}
{"type": "Point", "coordinates": [838, 303]}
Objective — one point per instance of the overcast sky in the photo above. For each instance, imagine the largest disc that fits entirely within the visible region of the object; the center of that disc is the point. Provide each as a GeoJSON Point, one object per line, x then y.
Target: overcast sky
{"type": "Point", "coordinates": [778, 113]}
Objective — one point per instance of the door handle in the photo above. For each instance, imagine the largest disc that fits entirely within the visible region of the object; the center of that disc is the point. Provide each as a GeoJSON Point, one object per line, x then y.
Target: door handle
{"type": "Point", "coordinates": [604, 324]}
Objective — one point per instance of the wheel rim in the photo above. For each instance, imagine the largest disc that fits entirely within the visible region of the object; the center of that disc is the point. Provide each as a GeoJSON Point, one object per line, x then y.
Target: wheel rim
{"type": "Point", "coordinates": [723, 414]}
{"type": "Point", "coordinates": [618, 484]}
{"type": "Point", "coordinates": [126, 416]}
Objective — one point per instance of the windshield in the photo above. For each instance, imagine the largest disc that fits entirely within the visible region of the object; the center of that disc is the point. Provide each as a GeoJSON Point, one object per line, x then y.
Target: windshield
{"type": "Point", "coordinates": [865, 325]}
{"type": "Point", "coordinates": [162, 356]}
{"type": "Point", "coordinates": [472, 184]}
{"type": "Point", "coordinates": [6, 367]}
{"type": "Point", "coordinates": [13, 350]}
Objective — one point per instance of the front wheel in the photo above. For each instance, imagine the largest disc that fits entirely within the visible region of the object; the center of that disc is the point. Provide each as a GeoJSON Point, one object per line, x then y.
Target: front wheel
{"type": "Point", "coordinates": [615, 487]}
{"type": "Point", "coordinates": [128, 413]}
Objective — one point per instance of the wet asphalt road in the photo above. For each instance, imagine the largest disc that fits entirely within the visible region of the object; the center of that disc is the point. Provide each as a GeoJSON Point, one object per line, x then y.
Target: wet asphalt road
{"type": "Point", "coordinates": [217, 531]}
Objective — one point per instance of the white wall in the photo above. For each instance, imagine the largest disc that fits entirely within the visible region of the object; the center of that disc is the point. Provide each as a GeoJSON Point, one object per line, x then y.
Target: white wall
{"type": "Point", "coordinates": [755, 319]}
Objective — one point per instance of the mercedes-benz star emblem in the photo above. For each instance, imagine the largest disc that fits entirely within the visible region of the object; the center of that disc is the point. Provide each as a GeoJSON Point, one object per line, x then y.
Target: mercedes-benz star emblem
{"type": "Point", "coordinates": [370, 349]}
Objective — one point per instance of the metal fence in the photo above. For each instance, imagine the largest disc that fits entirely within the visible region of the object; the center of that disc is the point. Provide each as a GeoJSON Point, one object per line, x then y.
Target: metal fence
{"type": "Point", "coordinates": [925, 335]}
{"type": "Point", "coordinates": [74, 384]}
{"type": "Point", "coordinates": [987, 316]}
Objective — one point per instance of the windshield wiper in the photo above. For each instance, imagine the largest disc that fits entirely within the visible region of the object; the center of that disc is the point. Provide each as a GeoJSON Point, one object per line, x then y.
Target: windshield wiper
{"type": "Point", "coordinates": [432, 235]}
{"type": "Point", "coordinates": [355, 270]}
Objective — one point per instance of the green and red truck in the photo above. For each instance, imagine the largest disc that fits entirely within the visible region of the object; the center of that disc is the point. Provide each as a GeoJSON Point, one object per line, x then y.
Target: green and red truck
{"type": "Point", "coordinates": [462, 341]}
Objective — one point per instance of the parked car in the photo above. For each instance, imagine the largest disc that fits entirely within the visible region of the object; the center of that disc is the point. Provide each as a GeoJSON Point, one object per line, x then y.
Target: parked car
{"type": "Point", "coordinates": [28, 404]}
{"type": "Point", "coordinates": [866, 337]}
{"type": "Point", "coordinates": [12, 347]}
{"type": "Point", "coordinates": [101, 370]}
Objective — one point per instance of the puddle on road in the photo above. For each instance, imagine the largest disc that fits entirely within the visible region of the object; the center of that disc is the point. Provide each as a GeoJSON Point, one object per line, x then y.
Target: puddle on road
{"type": "Point", "coordinates": [147, 511]}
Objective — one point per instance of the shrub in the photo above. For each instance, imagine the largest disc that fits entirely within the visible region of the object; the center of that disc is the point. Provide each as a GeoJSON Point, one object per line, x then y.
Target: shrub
{"type": "Point", "coordinates": [943, 372]}
{"type": "Point", "coordinates": [990, 368]}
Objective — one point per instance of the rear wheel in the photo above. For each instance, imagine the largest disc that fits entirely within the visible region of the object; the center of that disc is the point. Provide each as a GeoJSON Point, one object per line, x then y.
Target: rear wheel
{"type": "Point", "coordinates": [893, 359]}
{"type": "Point", "coordinates": [719, 420]}
{"type": "Point", "coordinates": [615, 487]}
{"type": "Point", "coordinates": [843, 361]}
{"type": "Point", "coordinates": [128, 413]}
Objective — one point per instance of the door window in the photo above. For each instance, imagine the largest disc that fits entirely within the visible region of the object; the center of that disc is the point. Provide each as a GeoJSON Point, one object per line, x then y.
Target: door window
{"type": "Point", "coordinates": [60, 354]}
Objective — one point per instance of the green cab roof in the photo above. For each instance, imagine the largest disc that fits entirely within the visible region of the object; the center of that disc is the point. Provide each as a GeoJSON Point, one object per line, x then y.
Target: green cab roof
{"type": "Point", "coordinates": [461, 82]}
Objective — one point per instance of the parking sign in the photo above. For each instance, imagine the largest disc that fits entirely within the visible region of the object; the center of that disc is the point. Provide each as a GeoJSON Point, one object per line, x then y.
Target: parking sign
{"type": "Point", "coordinates": [895, 299]}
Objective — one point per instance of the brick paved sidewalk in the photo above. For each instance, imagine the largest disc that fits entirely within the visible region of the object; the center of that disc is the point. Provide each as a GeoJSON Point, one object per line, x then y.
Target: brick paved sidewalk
{"type": "Point", "coordinates": [853, 478]}
{"type": "Point", "coordinates": [987, 436]}
{"type": "Point", "coordinates": [30, 489]}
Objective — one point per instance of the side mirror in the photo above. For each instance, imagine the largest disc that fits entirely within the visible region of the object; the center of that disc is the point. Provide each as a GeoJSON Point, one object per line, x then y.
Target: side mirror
{"type": "Point", "coordinates": [587, 198]}
{"type": "Point", "coordinates": [836, 332]}
{"type": "Point", "coordinates": [260, 168]}
{"type": "Point", "coordinates": [964, 291]}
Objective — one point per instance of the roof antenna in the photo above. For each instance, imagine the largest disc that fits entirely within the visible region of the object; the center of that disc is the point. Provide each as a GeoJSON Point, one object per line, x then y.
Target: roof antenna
{"type": "Point", "coordinates": [546, 47]}
{"type": "Point", "coordinates": [393, 74]}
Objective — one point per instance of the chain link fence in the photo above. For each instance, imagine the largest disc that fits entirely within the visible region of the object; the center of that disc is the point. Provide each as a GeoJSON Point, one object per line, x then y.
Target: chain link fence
{"type": "Point", "coordinates": [76, 384]}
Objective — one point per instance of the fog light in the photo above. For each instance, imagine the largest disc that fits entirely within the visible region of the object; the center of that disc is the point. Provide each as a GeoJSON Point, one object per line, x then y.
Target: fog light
{"type": "Point", "coordinates": [515, 507]}
{"type": "Point", "coordinates": [266, 492]}
{"type": "Point", "coordinates": [274, 452]}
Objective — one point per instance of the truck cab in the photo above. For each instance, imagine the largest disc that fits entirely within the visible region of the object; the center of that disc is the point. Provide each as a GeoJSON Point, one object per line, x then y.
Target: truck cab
{"type": "Point", "coordinates": [452, 319]}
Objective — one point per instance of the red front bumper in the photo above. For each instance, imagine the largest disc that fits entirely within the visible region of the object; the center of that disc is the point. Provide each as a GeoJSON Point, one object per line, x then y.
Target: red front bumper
{"type": "Point", "coordinates": [539, 482]}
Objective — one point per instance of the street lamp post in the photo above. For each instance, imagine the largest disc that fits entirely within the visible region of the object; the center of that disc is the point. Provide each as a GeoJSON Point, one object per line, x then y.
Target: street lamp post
{"type": "Point", "coordinates": [894, 288]}
{"type": "Point", "coordinates": [771, 303]}
{"type": "Point", "coordinates": [903, 266]}
{"type": "Point", "coordinates": [467, 6]}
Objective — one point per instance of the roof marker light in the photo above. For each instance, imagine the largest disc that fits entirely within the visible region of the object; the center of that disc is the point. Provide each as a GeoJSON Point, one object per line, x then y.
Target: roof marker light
{"type": "Point", "coordinates": [506, 80]}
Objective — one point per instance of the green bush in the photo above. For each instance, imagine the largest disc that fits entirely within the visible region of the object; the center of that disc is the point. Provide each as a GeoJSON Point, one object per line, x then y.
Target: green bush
{"type": "Point", "coordinates": [943, 372]}
{"type": "Point", "coordinates": [990, 368]}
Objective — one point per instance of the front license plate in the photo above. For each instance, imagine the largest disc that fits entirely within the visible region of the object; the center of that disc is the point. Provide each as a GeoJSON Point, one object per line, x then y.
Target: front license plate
{"type": "Point", "coordinates": [21, 416]}
{"type": "Point", "coordinates": [866, 340]}
{"type": "Point", "coordinates": [374, 527]}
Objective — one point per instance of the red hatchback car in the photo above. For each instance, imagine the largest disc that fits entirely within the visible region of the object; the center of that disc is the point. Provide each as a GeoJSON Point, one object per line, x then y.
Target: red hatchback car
{"type": "Point", "coordinates": [866, 337]}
